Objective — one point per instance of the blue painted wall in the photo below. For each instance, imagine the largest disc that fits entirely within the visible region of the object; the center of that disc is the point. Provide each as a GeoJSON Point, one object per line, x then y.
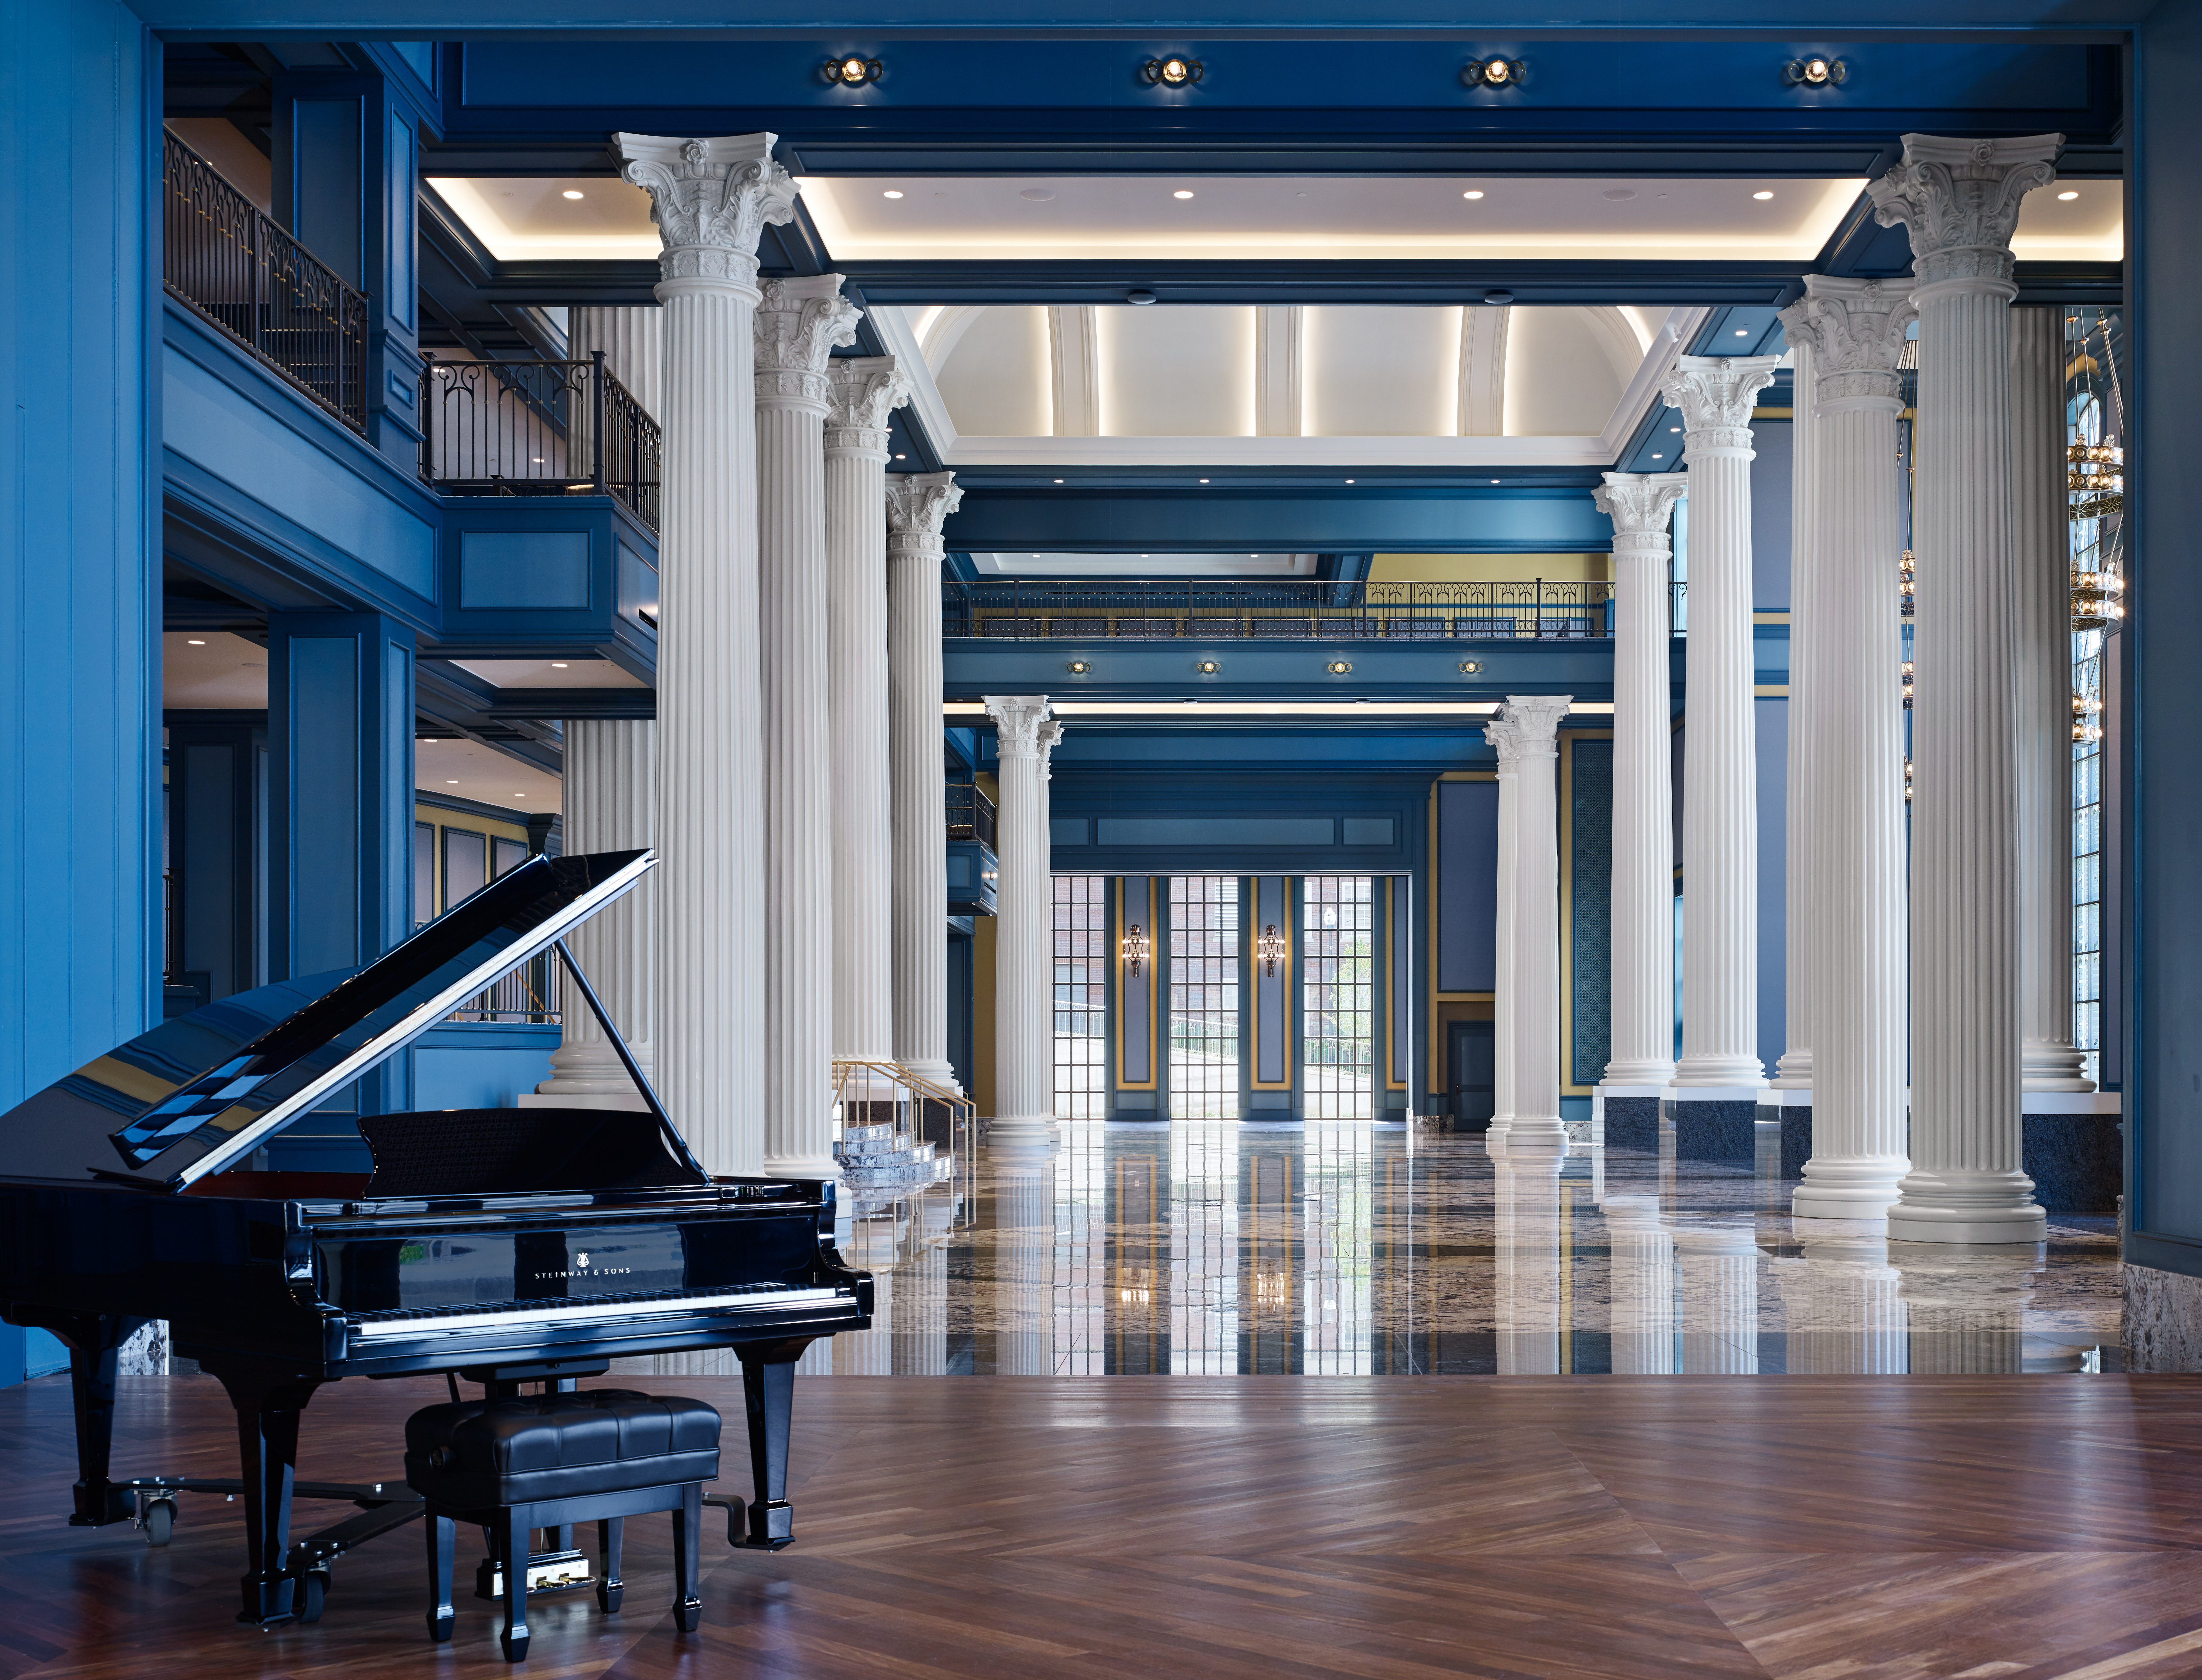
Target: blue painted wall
{"type": "Point", "coordinates": [78, 428]}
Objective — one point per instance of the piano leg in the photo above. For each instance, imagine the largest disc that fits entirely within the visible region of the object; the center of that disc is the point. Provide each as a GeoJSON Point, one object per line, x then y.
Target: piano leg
{"type": "Point", "coordinates": [93, 1341]}
{"type": "Point", "coordinates": [268, 1402]}
{"type": "Point", "coordinates": [769, 1396]}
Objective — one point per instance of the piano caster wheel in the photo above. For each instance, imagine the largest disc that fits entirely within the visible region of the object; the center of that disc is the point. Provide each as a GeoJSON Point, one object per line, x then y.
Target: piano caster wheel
{"type": "Point", "coordinates": [160, 1521]}
{"type": "Point", "coordinates": [689, 1615]}
{"type": "Point", "coordinates": [439, 1629]}
{"type": "Point", "coordinates": [515, 1650]}
{"type": "Point", "coordinates": [313, 1594]}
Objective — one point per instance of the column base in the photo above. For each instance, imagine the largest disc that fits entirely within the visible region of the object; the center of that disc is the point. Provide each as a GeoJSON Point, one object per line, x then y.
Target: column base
{"type": "Point", "coordinates": [2054, 1067]}
{"type": "Point", "coordinates": [1982, 1207]}
{"type": "Point", "coordinates": [1713, 1123]}
{"type": "Point", "coordinates": [1020, 1131]}
{"type": "Point", "coordinates": [1537, 1132]}
{"type": "Point", "coordinates": [1632, 1113]}
{"type": "Point", "coordinates": [802, 1166]}
{"type": "Point", "coordinates": [1850, 1186]}
{"type": "Point", "coordinates": [1719, 1072]}
{"type": "Point", "coordinates": [933, 1072]}
{"type": "Point", "coordinates": [1794, 1072]}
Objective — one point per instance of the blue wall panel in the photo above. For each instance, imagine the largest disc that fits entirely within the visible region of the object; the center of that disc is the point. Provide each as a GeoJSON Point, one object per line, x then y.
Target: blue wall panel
{"type": "Point", "coordinates": [525, 571]}
{"type": "Point", "coordinates": [215, 424]}
{"type": "Point", "coordinates": [79, 951]}
{"type": "Point", "coordinates": [1466, 871]}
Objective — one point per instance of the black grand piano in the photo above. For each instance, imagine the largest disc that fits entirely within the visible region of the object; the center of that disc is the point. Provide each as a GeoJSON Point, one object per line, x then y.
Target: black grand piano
{"type": "Point", "coordinates": [506, 1245]}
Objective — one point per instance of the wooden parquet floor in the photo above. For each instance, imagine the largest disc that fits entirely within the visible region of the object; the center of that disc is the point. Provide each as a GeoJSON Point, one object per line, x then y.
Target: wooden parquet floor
{"type": "Point", "coordinates": [2037, 1528]}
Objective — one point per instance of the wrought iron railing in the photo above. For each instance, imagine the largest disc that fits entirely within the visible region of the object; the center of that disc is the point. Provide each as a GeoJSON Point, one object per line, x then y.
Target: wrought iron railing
{"type": "Point", "coordinates": [1211, 609]}
{"type": "Point", "coordinates": [225, 257]}
{"type": "Point", "coordinates": [536, 427]}
{"type": "Point", "coordinates": [531, 993]}
{"type": "Point", "coordinates": [970, 814]}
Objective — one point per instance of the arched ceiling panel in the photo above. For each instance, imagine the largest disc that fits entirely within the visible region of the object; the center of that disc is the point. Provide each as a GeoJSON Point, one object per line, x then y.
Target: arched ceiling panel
{"type": "Point", "coordinates": [1561, 380]}
{"type": "Point", "coordinates": [1176, 372]}
{"type": "Point", "coordinates": [996, 380]}
{"type": "Point", "coordinates": [1377, 372]}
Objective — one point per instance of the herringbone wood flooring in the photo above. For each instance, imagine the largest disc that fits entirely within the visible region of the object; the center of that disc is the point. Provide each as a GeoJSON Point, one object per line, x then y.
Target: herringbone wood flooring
{"type": "Point", "coordinates": [1285, 1527]}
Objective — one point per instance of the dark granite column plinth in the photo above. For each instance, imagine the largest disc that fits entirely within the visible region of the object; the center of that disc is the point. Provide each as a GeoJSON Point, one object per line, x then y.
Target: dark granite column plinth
{"type": "Point", "coordinates": [1633, 1122]}
{"type": "Point", "coordinates": [2077, 1161]}
{"type": "Point", "coordinates": [1718, 1128]}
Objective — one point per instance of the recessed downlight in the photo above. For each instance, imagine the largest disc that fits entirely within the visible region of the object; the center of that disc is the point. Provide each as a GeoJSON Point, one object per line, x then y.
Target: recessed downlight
{"type": "Point", "coordinates": [1182, 192]}
{"type": "Point", "coordinates": [569, 193]}
{"type": "Point", "coordinates": [1037, 195]}
{"type": "Point", "coordinates": [1471, 195]}
{"type": "Point", "coordinates": [1761, 194]}
{"type": "Point", "coordinates": [2068, 195]}
{"type": "Point", "coordinates": [891, 193]}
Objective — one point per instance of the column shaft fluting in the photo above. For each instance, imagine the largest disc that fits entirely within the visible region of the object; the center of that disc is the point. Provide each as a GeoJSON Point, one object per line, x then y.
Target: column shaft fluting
{"type": "Point", "coordinates": [1642, 1049]}
{"type": "Point", "coordinates": [710, 199]}
{"type": "Point", "coordinates": [917, 506]}
{"type": "Point", "coordinates": [2042, 680]}
{"type": "Point", "coordinates": [865, 391]}
{"type": "Point", "coordinates": [1801, 896]}
{"type": "Point", "coordinates": [1529, 726]}
{"type": "Point", "coordinates": [1024, 954]}
{"type": "Point", "coordinates": [1720, 747]}
{"type": "Point", "coordinates": [799, 323]}
{"type": "Point", "coordinates": [1849, 336]}
{"type": "Point", "coordinates": [610, 796]}
{"type": "Point", "coordinates": [1960, 200]}
{"type": "Point", "coordinates": [634, 344]}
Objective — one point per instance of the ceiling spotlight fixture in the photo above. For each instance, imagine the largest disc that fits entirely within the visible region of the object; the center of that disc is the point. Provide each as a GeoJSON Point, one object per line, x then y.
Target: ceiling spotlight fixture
{"type": "Point", "coordinates": [1471, 667]}
{"type": "Point", "coordinates": [1338, 667]}
{"type": "Point", "coordinates": [2068, 195]}
{"type": "Point", "coordinates": [1658, 457]}
{"type": "Point", "coordinates": [1674, 428]}
{"type": "Point", "coordinates": [905, 458]}
{"type": "Point", "coordinates": [1471, 195]}
{"type": "Point", "coordinates": [1208, 667]}
{"type": "Point", "coordinates": [850, 72]}
{"type": "Point", "coordinates": [193, 641]}
{"type": "Point", "coordinates": [1743, 332]}
{"type": "Point", "coordinates": [558, 665]}
{"type": "Point", "coordinates": [1498, 297]}
{"type": "Point", "coordinates": [891, 193]}
{"type": "Point", "coordinates": [1761, 195]}
{"type": "Point", "coordinates": [1172, 72]}
{"type": "Point", "coordinates": [1203, 480]}
{"type": "Point", "coordinates": [1182, 192]}
{"type": "Point", "coordinates": [1492, 72]}
{"type": "Point", "coordinates": [569, 193]}
{"type": "Point", "coordinates": [1139, 296]}
{"type": "Point", "coordinates": [1078, 667]}
{"type": "Point", "coordinates": [1815, 72]}
{"type": "Point", "coordinates": [1059, 482]}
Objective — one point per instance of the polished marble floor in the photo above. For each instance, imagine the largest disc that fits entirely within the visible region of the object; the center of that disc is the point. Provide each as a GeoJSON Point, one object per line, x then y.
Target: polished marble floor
{"type": "Point", "coordinates": [1352, 1251]}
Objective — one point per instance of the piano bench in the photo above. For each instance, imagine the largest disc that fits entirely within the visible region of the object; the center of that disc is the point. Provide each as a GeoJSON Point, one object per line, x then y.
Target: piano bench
{"type": "Point", "coordinates": [547, 1461]}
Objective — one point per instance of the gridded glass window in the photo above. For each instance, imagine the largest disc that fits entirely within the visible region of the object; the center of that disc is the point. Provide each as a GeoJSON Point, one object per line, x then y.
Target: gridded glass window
{"type": "Point", "coordinates": [1337, 995]}
{"type": "Point", "coordinates": [1203, 997]}
{"type": "Point", "coordinates": [1082, 995]}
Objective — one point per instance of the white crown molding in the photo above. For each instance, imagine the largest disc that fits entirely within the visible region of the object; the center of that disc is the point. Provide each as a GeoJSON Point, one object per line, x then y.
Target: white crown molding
{"type": "Point", "coordinates": [1675, 333]}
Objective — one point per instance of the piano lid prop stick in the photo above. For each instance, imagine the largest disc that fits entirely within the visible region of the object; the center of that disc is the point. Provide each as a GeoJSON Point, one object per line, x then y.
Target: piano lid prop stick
{"type": "Point", "coordinates": [619, 1045]}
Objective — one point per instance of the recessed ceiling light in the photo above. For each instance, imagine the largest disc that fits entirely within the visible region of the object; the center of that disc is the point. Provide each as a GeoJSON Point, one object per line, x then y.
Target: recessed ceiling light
{"type": "Point", "coordinates": [1761, 195]}
{"type": "Point", "coordinates": [1471, 195]}
{"type": "Point", "coordinates": [193, 641]}
{"type": "Point", "coordinates": [1674, 428]}
{"type": "Point", "coordinates": [1743, 332]}
{"type": "Point", "coordinates": [558, 664]}
{"type": "Point", "coordinates": [1038, 195]}
{"type": "Point", "coordinates": [569, 193]}
{"type": "Point", "coordinates": [905, 458]}
{"type": "Point", "coordinates": [1181, 192]}
{"type": "Point", "coordinates": [1494, 481]}
{"type": "Point", "coordinates": [1618, 195]}
{"type": "Point", "coordinates": [1658, 457]}
{"type": "Point", "coordinates": [2068, 195]}
{"type": "Point", "coordinates": [891, 193]}
{"type": "Point", "coordinates": [1203, 480]}
{"type": "Point", "coordinates": [1349, 481]}
{"type": "Point", "coordinates": [450, 781]}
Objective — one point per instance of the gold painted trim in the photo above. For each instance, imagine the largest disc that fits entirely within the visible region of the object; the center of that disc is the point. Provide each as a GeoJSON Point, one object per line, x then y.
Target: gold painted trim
{"type": "Point", "coordinates": [1769, 618]}
{"type": "Point", "coordinates": [1116, 957]}
{"type": "Point", "coordinates": [1468, 997]}
{"type": "Point", "coordinates": [1392, 931]}
{"type": "Point", "coordinates": [1770, 691]}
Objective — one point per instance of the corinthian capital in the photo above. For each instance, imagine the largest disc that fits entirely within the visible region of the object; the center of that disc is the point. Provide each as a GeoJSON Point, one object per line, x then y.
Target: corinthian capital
{"type": "Point", "coordinates": [1715, 394]}
{"type": "Point", "coordinates": [866, 389]}
{"type": "Point", "coordinates": [799, 323]}
{"type": "Point", "coordinates": [918, 506]}
{"type": "Point", "coordinates": [1959, 200]}
{"type": "Point", "coordinates": [710, 199]}
{"type": "Point", "coordinates": [1855, 331]}
{"type": "Point", "coordinates": [1503, 738]}
{"type": "Point", "coordinates": [1639, 504]}
{"type": "Point", "coordinates": [1534, 720]}
{"type": "Point", "coordinates": [1020, 722]}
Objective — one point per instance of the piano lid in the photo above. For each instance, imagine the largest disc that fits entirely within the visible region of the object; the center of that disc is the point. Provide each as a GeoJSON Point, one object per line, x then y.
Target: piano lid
{"type": "Point", "coordinates": [197, 1094]}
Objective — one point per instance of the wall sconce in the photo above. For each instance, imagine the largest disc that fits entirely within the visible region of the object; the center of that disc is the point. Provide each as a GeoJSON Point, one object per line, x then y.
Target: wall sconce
{"type": "Point", "coordinates": [1338, 667]}
{"type": "Point", "coordinates": [1815, 72]}
{"type": "Point", "coordinates": [1208, 667]}
{"type": "Point", "coordinates": [850, 72]}
{"type": "Point", "coordinates": [1907, 782]}
{"type": "Point", "coordinates": [1907, 685]}
{"type": "Point", "coordinates": [1471, 667]}
{"type": "Point", "coordinates": [1172, 72]}
{"type": "Point", "coordinates": [1907, 573]}
{"type": "Point", "coordinates": [1078, 667]}
{"type": "Point", "coordinates": [1270, 948]}
{"type": "Point", "coordinates": [2086, 713]}
{"type": "Point", "coordinates": [1137, 948]}
{"type": "Point", "coordinates": [1492, 72]}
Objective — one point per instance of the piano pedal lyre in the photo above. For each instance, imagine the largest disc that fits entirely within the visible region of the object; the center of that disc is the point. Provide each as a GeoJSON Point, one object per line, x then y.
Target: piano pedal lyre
{"type": "Point", "coordinates": [567, 1569]}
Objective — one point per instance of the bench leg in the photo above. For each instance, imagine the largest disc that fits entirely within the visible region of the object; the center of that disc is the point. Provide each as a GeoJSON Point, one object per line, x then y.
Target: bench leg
{"type": "Point", "coordinates": [443, 1536]}
{"type": "Point", "coordinates": [512, 1545]}
{"type": "Point", "coordinates": [687, 1550]}
{"type": "Point", "coordinates": [610, 1533]}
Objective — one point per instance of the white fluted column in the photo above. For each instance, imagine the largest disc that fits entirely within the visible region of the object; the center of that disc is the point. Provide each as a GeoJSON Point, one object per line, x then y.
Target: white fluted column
{"type": "Point", "coordinates": [1643, 940]}
{"type": "Point", "coordinates": [1641, 1287]}
{"type": "Point", "coordinates": [610, 797]}
{"type": "Point", "coordinates": [1800, 878]}
{"type": "Point", "coordinates": [1716, 1275]}
{"type": "Point", "coordinates": [710, 199]}
{"type": "Point", "coordinates": [1850, 334]}
{"type": "Point", "coordinates": [918, 504]}
{"type": "Point", "coordinates": [799, 323]}
{"type": "Point", "coordinates": [1720, 749]}
{"type": "Point", "coordinates": [634, 344]}
{"type": "Point", "coordinates": [1960, 201]}
{"type": "Point", "coordinates": [865, 390]}
{"type": "Point", "coordinates": [2041, 534]}
{"type": "Point", "coordinates": [1504, 984]}
{"type": "Point", "coordinates": [1531, 723]}
{"type": "Point", "coordinates": [1024, 956]}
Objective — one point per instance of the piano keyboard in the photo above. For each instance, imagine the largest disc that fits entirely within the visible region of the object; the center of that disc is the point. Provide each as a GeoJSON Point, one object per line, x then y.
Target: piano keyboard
{"type": "Point", "coordinates": [579, 1308]}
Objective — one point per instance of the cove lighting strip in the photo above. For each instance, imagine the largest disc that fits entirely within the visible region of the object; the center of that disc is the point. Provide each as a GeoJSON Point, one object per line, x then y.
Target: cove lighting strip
{"type": "Point", "coordinates": [1185, 709]}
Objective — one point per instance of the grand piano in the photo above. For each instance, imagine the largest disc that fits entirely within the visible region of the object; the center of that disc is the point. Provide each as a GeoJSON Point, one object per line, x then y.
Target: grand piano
{"type": "Point", "coordinates": [505, 1246]}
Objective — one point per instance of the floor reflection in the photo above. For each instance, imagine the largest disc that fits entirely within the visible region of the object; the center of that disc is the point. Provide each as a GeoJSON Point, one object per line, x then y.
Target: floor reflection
{"type": "Point", "coordinates": [1196, 1248]}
